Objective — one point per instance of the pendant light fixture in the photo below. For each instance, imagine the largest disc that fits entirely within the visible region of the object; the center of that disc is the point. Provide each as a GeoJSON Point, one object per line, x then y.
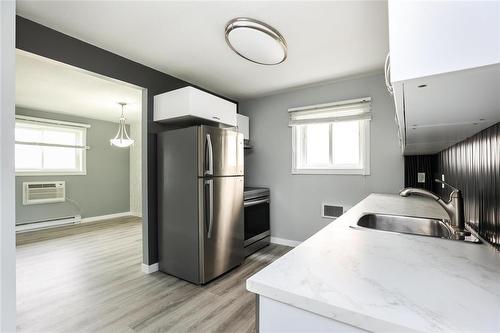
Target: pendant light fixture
{"type": "Point", "coordinates": [256, 41]}
{"type": "Point", "coordinates": [122, 139]}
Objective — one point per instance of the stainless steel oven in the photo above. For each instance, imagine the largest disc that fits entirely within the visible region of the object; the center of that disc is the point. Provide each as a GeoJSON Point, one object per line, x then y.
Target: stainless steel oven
{"type": "Point", "coordinates": [257, 220]}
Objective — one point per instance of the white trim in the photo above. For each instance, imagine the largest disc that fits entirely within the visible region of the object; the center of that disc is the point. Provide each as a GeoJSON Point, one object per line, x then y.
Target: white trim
{"type": "Point", "coordinates": [144, 175]}
{"type": "Point", "coordinates": [7, 180]}
{"type": "Point", "coordinates": [150, 269]}
{"type": "Point", "coordinates": [286, 242]}
{"type": "Point", "coordinates": [67, 221]}
{"type": "Point", "coordinates": [59, 173]}
{"type": "Point", "coordinates": [362, 169]}
{"type": "Point", "coordinates": [366, 145]}
{"type": "Point", "coordinates": [51, 121]}
{"type": "Point", "coordinates": [136, 214]}
{"type": "Point", "coordinates": [329, 172]}
{"type": "Point", "coordinates": [31, 143]}
{"type": "Point", "coordinates": [105, 217]}
{"type": "Point", "coordinates": [47, 224]}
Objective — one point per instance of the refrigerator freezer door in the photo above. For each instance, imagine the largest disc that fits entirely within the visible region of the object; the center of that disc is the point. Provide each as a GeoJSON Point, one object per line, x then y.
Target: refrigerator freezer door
{"type": "Point", "coordinates": [220, 152]}
{"type": "Point", "coordinates": [221, 225]}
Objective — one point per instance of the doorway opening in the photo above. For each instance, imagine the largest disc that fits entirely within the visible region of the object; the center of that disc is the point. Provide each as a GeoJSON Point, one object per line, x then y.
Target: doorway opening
{"type": "Point", "coordinates": [79, 195]}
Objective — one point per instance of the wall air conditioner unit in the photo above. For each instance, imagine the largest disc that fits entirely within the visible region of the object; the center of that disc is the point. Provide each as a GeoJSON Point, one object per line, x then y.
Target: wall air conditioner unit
{"type": "Point", "coordinates": [35, 193]}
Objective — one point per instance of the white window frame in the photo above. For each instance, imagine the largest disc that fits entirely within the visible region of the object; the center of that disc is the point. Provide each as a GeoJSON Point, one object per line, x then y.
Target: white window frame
{"type": "Point", "coordinates": [363, 168]}
{"type": "Point", "coordinates": [42, 122]}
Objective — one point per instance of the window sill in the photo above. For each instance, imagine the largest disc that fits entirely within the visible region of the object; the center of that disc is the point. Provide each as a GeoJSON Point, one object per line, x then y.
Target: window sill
{"type": "Point", "coordinates": [59, 173]}
{"type": "Point", "coordinates": [359, 172]}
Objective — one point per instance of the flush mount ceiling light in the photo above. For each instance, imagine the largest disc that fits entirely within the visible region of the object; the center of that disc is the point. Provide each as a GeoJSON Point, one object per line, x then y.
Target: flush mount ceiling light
{"type": "Point", "coordinates": [122, 139]}
{"type": "Point", "coordinates": [256, 41]}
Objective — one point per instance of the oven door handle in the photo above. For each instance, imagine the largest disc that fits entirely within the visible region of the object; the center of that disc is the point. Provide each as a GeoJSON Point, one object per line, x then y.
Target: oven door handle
{"type": "Point", "coordinates": [255, 202]}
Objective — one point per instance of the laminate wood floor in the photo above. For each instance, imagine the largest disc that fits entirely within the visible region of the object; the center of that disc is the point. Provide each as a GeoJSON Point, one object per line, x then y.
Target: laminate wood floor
{"type": "Point", "coordinates": [88, 278]}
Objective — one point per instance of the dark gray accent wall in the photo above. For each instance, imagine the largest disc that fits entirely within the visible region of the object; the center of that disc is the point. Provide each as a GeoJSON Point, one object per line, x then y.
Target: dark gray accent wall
{"type": "Point", "coordinates": [103, 190]}
{"type": "Point", "coordinates": [473, 166]}
{"type": "Point", "coordinates": [38, 39]}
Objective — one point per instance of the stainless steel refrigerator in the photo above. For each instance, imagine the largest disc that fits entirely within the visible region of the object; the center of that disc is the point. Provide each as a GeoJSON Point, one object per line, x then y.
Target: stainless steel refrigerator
{"type": "Point", "coordinates": [200, 202]}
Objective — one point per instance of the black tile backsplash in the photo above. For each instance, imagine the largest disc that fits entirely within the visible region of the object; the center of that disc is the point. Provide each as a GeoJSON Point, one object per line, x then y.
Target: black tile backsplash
{"type": "Point", "coordinates": [473, 166]}
{"type": "Point", "coordinates": [415, 164]}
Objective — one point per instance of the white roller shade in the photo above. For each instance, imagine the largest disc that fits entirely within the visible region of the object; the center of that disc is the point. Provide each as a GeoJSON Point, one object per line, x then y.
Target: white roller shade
{"type": "Point", "coordinates": [29, 132]}
{"type": "Point", "coordinates": [355, 109]}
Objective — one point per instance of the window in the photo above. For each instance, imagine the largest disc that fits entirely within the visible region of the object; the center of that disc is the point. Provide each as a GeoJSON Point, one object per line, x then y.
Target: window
{"type": "Point", "coordinates": [48, 147]}
{"type": "Point", "coordinates": [331, 138]}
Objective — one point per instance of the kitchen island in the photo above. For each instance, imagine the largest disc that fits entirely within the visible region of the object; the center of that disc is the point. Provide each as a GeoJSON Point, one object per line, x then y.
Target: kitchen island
{"type": "Point", "coordinates": [346, 279]}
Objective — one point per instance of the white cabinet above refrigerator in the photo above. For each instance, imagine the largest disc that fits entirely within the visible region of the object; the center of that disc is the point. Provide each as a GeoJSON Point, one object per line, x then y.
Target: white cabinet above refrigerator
{"type": "Point", "coordinates": [189, 103]}
{"type": "Point", "coordinates": [243, 125]}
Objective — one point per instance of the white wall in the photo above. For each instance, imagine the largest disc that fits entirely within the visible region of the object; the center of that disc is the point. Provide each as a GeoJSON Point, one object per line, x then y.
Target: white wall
{"type": "Point", "coordinates": [7, 204]}
{"type": "Point", "coordinates": [296, 199]}
{"type": "Point", "coordinates": [135, 167]}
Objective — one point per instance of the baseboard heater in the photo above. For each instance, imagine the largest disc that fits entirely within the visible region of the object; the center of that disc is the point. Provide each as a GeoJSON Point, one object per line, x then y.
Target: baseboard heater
{"type": "Point", "coordinates": [45, 224]}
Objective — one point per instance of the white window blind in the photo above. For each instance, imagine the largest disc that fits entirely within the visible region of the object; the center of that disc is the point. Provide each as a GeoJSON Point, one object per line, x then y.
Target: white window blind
{"type": "Point", "coordinates": [49, 147]}
{"type": "Point", "coordinates": [356, 109]}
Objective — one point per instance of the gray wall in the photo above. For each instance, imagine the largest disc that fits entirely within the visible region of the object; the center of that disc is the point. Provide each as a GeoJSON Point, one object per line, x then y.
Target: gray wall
{"type": "Point", "coordinates": [296, 199]}
{"type": "Point", "coordinates": [104, 190]}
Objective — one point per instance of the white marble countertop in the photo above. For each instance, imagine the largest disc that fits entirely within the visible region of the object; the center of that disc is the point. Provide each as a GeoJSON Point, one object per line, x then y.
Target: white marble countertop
{"type": "Point", "coordinates": [384, 282]}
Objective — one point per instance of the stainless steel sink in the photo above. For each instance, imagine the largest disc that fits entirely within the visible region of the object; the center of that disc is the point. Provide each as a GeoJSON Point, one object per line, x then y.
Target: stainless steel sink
{"type": "Point", "coordinates": [420, 226]}
{"type": "Point", "coordinates": [406, 225]}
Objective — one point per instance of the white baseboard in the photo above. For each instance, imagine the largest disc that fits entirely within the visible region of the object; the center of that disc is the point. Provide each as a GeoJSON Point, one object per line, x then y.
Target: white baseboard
{"type": "Point", "coordinates": [47, 224]}
{"type": "Point", "coordinates": [67, 221]}
{"type": "Point", "coordinates": [149, 269]}
{"type": "Point", "coordinates": [282, 241]}
{"type": "Point", "coordinates": [105, 217]}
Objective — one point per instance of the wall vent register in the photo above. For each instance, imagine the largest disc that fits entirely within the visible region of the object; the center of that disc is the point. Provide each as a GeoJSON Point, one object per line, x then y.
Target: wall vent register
{"type": "Point", "coordinates": [43, 192]}
{"type": "Point", "coordinates": [331, 211]}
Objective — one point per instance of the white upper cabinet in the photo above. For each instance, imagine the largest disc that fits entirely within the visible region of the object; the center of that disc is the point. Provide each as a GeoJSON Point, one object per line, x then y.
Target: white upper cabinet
{"type": "Point", "coordinates": [433, 37]}
{"type": "Point", "coordinates": [444, 70]}
{"type": "Point", "coordinates": [190, 103]}
{"type": "Point", "coordinates": [243, 124]}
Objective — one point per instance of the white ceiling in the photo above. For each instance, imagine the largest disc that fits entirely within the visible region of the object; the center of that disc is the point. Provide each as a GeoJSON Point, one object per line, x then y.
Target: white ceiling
{"type": "Point", "coordinates": [47, 85]}
{"type": "Point", "coordinates": [326, 40]}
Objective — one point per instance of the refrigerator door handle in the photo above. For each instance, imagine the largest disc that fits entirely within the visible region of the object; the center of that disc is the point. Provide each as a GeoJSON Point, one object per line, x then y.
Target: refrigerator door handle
{"type": "Point", "coordinates": [209, 171]}
{"type": "Point", "coordinates": [210, 207]}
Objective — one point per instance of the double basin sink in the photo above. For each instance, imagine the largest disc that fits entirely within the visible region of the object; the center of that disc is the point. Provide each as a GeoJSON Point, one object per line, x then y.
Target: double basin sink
{"type": "Point", "coordinates": [420, 226]}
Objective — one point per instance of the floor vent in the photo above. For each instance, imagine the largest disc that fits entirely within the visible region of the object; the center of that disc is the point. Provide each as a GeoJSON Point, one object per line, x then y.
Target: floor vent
{"type": "Point", "coordinates": [331, 211]}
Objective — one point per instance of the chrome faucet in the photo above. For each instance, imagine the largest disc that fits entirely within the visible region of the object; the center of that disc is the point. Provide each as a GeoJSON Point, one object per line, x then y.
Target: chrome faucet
{"type": "Point", "coordinates": [454, 206]}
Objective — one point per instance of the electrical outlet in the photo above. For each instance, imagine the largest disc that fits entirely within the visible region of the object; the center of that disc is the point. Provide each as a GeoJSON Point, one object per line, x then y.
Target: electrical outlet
{"type": "Point", "coordinates": [421, 177]}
